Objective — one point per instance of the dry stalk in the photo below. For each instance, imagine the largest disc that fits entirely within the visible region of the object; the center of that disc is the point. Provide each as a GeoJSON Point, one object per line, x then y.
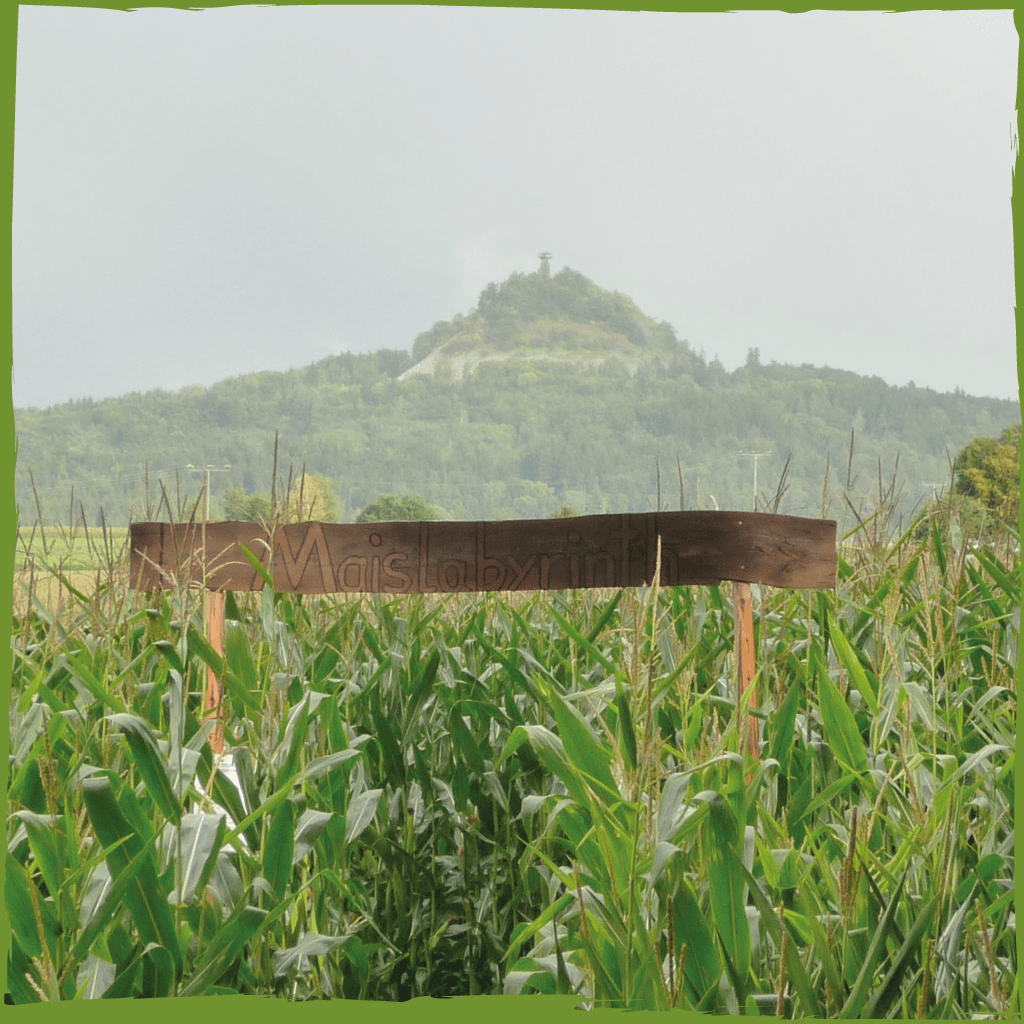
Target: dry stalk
{"type": "Point", "coordinates": [996, 993]}
{"type": "Point", "coordinates": [848, 873]}
{"type": "Point", "coordinates": [47, 968]}
{"type": "Point", "coordinates": [926, 980]}
{"type": "Point", "coordinates": [781, 1004]}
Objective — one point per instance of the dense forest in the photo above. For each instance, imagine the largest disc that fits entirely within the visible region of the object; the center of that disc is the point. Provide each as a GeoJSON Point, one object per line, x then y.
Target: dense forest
{"type": "Point", "coordinates": [576, 399]}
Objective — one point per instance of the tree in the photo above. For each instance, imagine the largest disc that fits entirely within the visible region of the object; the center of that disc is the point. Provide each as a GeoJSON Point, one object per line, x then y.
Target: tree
{"type": "Point", "coordinates": [398, 508]}
{"type": "Point", "coordinates": [565, 512]}
{"type": "Point", "coordinates": [251, 508]}
{"type": "Point", "coordinates": [988, 470]}
{"type": "Point", "coordinates": [310, 498]}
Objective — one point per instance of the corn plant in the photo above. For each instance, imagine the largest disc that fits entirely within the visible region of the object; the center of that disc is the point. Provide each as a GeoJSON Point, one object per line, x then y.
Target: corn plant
{"type": "Point", "coordinates": [527, 794]}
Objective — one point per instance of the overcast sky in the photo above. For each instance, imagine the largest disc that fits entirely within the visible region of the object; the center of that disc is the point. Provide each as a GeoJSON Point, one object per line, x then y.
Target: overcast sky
{"type": "Point", "coordinates": [200, 195]}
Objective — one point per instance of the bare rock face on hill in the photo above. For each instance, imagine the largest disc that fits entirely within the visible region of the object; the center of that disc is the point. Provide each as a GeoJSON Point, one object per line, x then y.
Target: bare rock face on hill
{"type": "Point", "coordinates": [562, 317]}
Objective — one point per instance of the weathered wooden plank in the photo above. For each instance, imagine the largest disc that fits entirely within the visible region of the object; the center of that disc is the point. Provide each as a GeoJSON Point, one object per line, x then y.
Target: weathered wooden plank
{"type": "Point", "coordinates": [441, 557]}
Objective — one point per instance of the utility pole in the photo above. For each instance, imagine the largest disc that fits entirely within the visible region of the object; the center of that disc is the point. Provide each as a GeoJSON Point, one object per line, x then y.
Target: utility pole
{"type": "Point", "coordinates": [208, 469]}
{"type": "Point", "coordinates": [755, 456]}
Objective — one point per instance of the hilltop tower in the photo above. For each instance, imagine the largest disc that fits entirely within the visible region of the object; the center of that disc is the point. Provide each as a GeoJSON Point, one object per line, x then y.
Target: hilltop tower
{"type": "Point", "coordinates": [545, 264]}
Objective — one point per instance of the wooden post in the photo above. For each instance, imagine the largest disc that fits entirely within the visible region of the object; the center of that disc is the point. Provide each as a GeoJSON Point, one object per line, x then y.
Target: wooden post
{"type": "Point", "coordinates": [745, 666]}
{"type": "Point", "coordinates": [213, 702]}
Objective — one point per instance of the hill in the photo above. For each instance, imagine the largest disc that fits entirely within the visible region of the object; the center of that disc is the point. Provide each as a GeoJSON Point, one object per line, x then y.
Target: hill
{"type": "Point", "coordinates": [551, 392]}
{"type": "Point", "coordinates": [563, 318]}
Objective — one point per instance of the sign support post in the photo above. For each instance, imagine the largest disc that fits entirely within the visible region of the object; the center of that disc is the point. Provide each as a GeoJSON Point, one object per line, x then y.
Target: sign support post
{"type": "Point", "coordinates": [745, 662]}
{"type": "Point", "coordinates": [214, 699]}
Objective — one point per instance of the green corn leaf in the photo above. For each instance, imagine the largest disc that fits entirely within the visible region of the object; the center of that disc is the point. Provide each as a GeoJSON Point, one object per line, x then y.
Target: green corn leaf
{"type": "Point", "coordinates": [672, 807]}
{"type": "Point", "coordinates": [551, 754]}
{"type": "Point", "coordinates": [878, 1005]}
{"type": "Point", "coordinates": [170, 654]}
{"type": "Point", "coordinates": [939, 546]}
{"type": "Point", "coordinates": [420, 690]}
{"type": "Point", "coordinates": [320, 767]}
{"type": "Point", "coordinates": [224, 792]}
{"type": "Point", "coordinates": [828, 794]}
{"type": "Point", "coordinates": [299, 728]}
{"type": "Point", "coordinates": [269, 806]}
{"type": "Point", "coordinates": [277, 852]}
{"type": "Point", "coordinates": [200, 839]}
{"type": "Point", "coordinates": [794, 965]}
{"type": "Point", "coordinates": [1007, 583]}
{"type": "Point", "coordinates": [823, 949]}
{"type": "Point", "coordinates": [150, 763]}
{"type": "Point", "coordinates": [570, 630]}
{"type": "Point", "coordinates": [867, 614]}
{"type": "Point", "coordinates": [841, 726]}
{"type": "Point", "coordinates": [297, 957]}
{"type": "Point", "coordinates": [464, 742]}
{"type": "Point", "coordinates": [625, 729]}
{"type": "Point", "coordinates": [605, 615]}
{"type": "Point", "coordinates": [262, 571]}
{"type": "Point", "coordinates": [81, 672]}
{"type": "Point", "coordinates": [721, 836]}
{"type": "Point", "coordinates": [115, 815]}
{"type": "Point", "coordinates": [849, 660]}
{"type": "Point", "coordinates": [244, 925]}
{"type": "Point", "coordinates": [703, 968]}
{"type": "Point", "coordinates": [43, 840]}
{"type": "Point", "coordinates": [858, 998]}
{"type": "Point", "coordinates": [240, 676]}
{"type": "Point", "coordinates": [157, 972]}
{"type": "Point", "coordinates": [124, 984]}
{"type": "Point", "coordinates": [357, 955]}
{"type": "Point", "coordinates": [985, 870]}
{"type": "Point", "coordinates": [564, 901]}
{"type": "Point", "coordinates": [783, 728]}
{"type": "Point", "coordinates": [522, 682]}
{"type": "Point", "coordinates": [20, 912]}
{"type": "Point", "coordinates": [203, 648]}
{"type": "Point", "coordinates": [977, 758]}
{"type": "Point", "coordinates": [94, 977]}
{"type": "Point", "coordinates": [23, 979]}
{"type": "Point", "coordinates": [387, 740]}
{"type": "Point", "coordinates": [583, 752]}
{"type": "Point", "coordinates": [361, 811]}
{"type": "Point", "coordinates": [103, 899]}
{"type": "Point", "coordinates": [307, 830]}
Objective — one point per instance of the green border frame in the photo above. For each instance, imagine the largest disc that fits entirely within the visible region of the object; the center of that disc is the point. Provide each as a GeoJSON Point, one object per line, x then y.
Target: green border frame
{"type": "Point", "coordinates": [466, 1008]}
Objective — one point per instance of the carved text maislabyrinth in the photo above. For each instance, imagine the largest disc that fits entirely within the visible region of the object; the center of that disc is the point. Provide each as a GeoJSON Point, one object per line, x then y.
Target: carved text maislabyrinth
{"type": "Point", "coordinates": [442, 557]}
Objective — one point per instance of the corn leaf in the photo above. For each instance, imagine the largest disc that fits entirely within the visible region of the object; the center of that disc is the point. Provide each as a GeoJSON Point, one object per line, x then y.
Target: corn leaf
{"type": "Point", "coordinates": [840, 725]}
{"type": "Point", "coordinates": [115, 816]}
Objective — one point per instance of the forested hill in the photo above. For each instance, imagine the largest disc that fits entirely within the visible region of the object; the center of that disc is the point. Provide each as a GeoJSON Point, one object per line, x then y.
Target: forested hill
{"type": "Point", "coordinates": [563, 318]}
{"type": "Point", "coordinates": [551, 392]}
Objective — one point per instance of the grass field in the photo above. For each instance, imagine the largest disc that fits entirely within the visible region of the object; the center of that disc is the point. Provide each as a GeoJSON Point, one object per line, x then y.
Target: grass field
{"type": "Point", "coordinates": [55, 565]}
{"type": "Point", "coordinates": [519, 794]}
{"type": "Point", "coordinates": [77, 550]}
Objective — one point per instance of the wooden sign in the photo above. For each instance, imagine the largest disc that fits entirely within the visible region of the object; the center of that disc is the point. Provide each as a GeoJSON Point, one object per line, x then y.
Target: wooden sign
{"type": "Point", "coordinates": [537, 554]}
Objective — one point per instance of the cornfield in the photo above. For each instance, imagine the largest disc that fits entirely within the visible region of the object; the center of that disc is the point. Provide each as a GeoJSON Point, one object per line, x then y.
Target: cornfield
{"type": "Point", "coordinates": [528, 795]}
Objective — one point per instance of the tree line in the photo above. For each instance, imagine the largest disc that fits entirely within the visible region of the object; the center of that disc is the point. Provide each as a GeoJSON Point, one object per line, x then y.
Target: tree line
{"type": "Point", "coordinates": [518, 438]}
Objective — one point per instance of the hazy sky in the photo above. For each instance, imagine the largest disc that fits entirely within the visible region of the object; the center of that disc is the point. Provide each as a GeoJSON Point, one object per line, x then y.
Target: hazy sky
{"type": "Point", "coordinates": [205, 194]}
